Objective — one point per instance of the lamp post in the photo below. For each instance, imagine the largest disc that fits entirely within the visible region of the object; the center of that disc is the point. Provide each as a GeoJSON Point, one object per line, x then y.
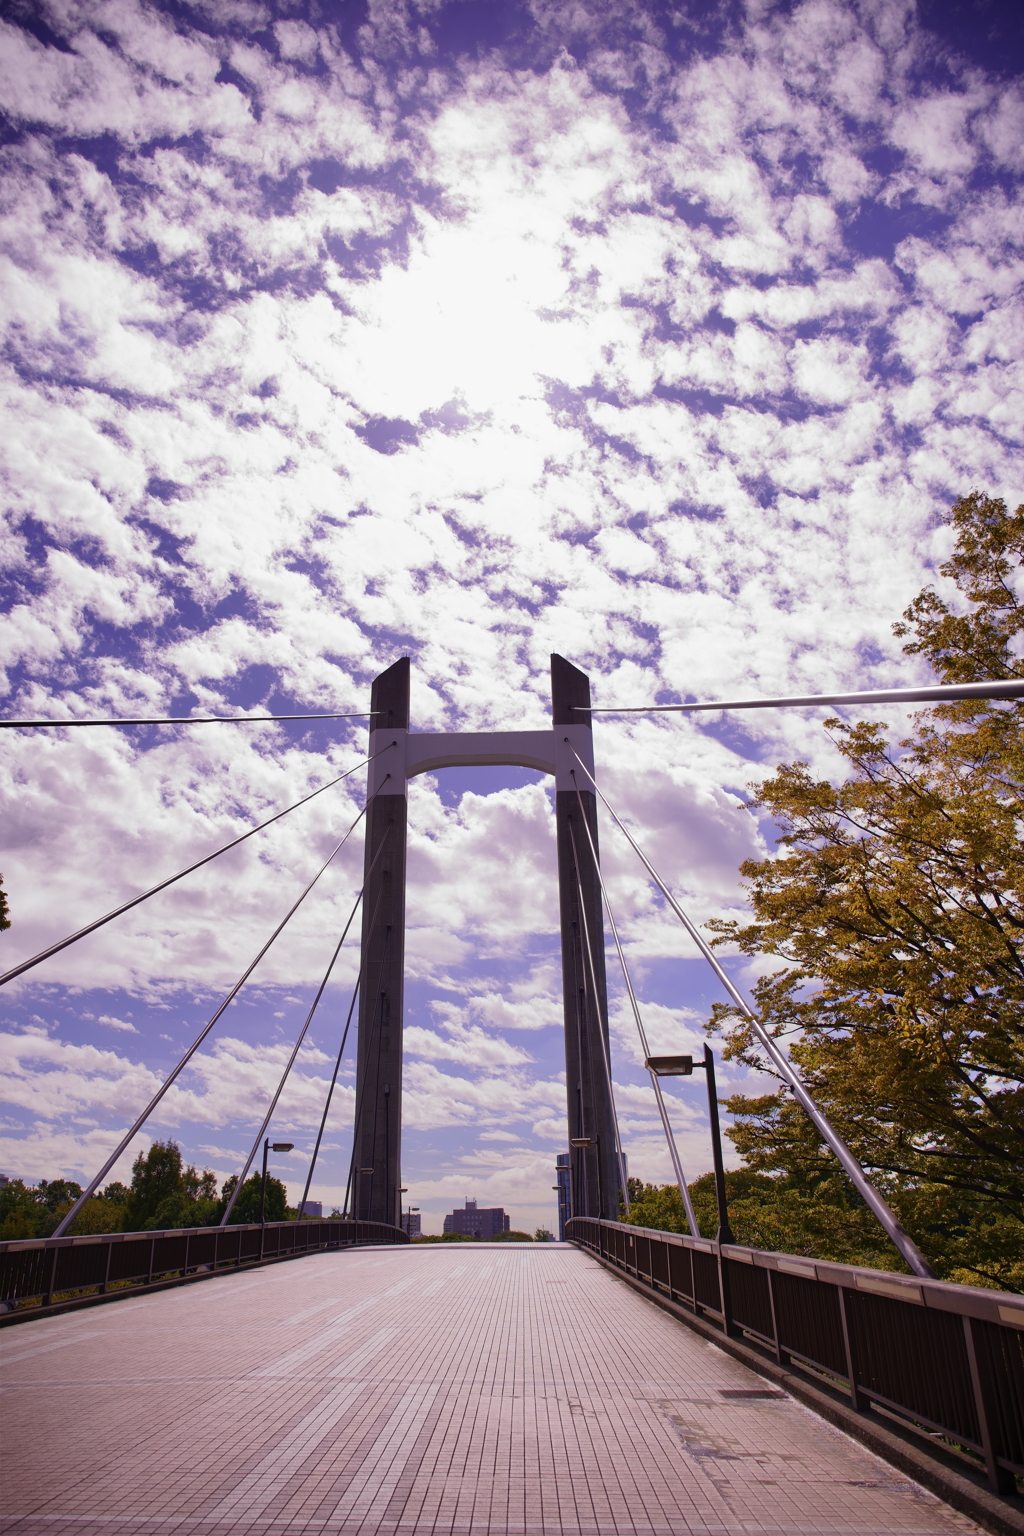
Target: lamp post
{"type": "Point", "coordinates": [278, 1146]}
{"type": "Point", "coordinates": [684, 1066]}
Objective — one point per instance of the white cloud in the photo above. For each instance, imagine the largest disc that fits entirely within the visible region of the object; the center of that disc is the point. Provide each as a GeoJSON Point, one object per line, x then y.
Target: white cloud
{"type": "Point", "coordinates": [472, 361]}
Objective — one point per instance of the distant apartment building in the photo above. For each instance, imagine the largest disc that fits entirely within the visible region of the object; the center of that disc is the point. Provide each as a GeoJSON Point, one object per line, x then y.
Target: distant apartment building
{"type": "Point", "coordinates": [411, 1223]}
{"type": "Point", "coordinates": [312, 1207]}
{"type": "Point", "coordinates": [474, 1222]}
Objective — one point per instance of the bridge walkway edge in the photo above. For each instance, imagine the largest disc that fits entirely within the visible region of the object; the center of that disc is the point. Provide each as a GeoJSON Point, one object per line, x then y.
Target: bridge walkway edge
{"type": "Point", "coordinates": [939, 1472]}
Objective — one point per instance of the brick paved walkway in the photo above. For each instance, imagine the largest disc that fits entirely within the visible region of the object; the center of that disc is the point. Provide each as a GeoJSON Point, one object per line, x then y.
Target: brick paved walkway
{"type": "Point", "coordinates": [493, 1389]}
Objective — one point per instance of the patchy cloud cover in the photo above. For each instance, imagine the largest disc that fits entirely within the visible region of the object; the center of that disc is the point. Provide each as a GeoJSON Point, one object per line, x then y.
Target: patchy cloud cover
{"type": "Point", "coordinates": [471, 331]}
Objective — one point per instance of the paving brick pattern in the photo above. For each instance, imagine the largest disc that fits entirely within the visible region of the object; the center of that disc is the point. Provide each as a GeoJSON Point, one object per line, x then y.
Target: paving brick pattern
{"type": "Point", "coordinates": [505, 1390]}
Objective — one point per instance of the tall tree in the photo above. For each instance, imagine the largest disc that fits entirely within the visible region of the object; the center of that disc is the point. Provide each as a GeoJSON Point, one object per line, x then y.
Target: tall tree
{"type": "Point", "coordinates": [897, 905]}
{"type": "Point", "coordinates": [166, 1194]}
{"type": "Point", "coordinates": [247, 1206]}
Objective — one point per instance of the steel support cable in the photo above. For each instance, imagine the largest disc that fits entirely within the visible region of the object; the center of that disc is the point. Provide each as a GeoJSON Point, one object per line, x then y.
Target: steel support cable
{"type": "Point", "coordinates": [26, 725]}
{"type": "Point", "coordinates": [53, 949]}
{"type": "Point", "coordinates": [197, 1042]}
{"type": "Point", "coordinates": [1011, 688]}
{"type": "Point", "coordinates": [291, 1062]}
{"type": "Point", "coordinates": [599, 1023]}
{"type": "Point", "coordinates": [684, 1192]}
{"type": "Point", "coordinates": [341, 1048]}
{"type": "Point", "coordinates": [879, 1208]}
{"type": "Point", "coordinates": [378, 1007]}
{"type": "Point", "coordinates": [341, 1051]}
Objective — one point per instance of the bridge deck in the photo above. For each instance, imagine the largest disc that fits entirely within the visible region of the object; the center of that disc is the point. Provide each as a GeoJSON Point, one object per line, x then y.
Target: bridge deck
{"type": "Point", "coordinates": [493, 1389]}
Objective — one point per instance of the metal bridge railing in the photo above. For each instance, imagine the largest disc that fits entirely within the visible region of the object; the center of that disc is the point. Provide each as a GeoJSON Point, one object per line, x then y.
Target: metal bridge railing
{"type": "Point", "coordinates": [946, 1359]}
{"type": "Point", "coordinates": [63, 1272]}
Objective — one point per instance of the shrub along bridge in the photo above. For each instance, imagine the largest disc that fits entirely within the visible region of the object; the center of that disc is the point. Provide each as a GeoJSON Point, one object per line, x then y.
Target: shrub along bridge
{"type": "Point", "coordinates": [927, 1374]}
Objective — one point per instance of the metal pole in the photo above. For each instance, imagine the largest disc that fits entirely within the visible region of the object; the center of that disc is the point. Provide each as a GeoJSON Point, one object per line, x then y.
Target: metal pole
{"type": "Point", "coordinates": [263, 1186]}
{"type": "Point", "coordinates": [879, 1208]}
{"type": "Point", "coordinates": [724, 1229]}
{"type": "Point", "coordinates": [1008, 688]}
{"type": "Point", "coordinates": [263, 1196]}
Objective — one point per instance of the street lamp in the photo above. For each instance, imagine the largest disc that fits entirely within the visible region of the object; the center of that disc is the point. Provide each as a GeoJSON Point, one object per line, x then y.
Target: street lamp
{"type": "Point", "coordinates": [683, 1066]}
{"type": "Point", "coordinates": [278, 1146]}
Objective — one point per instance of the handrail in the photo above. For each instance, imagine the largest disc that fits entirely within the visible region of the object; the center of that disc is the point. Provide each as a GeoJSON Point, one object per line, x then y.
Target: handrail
{"type": "Point", "coordinates": [945, 1359]}
{"type": "Point", "coordinates": [46, 1274]}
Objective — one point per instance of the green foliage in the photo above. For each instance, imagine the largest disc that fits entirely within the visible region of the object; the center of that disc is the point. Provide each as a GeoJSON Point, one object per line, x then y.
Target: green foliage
{"type": "Point", "coordinates": [542, 1235]}
{"type": "Point", "coordinates": [512, 1237]}
{"type": "Point", "coordinates": [247, 1206]}
{"type": "Point", "coordinates": [774, 1214]}
{"type": "Point", "coordinates": [5, 910]}
{"type": "Point", "coordinates": [165, 1193]}
{"type": "Point", "coordinates": [444, 1237]}
{"type": "Point", "coordinates": [96, 1215]}
{"type": "Point", "coordinates": [23, 1213]}
{"type": "Point", "coordinates": [897, 907]}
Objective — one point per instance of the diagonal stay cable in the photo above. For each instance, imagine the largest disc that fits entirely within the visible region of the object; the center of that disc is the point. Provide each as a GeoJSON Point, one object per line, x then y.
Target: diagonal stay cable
{"type": "Point", "coordinates": [54, 949]}
{"type": "Point", "coordinates": [1008, 688]}
{"type": "Point", "coordinates": [341, 1048]}
{"type": "Point", "coordinates": [598, 1022]}
{"type": "Point", "coordinates": [361, 1082]}
{"type": "Point", "coordinates": [684, 1191]}
{"type": "Point", "coordinates": [291, 1060]}
{"type": "Point", "coordinates": [34, 725]}
{"type": "Point", "coordinates": [879, 1207]}
{"type": "Point", "coordinates": [197, 1042]}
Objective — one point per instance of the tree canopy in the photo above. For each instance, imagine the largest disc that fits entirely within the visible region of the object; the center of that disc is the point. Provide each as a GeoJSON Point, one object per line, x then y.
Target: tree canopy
{"type": "Point", "coordinates": [897, 907]}
{"type": "Point", "coordinates": [247, 1206]}
{"type": "Point", "coordinates": [165, 1193]}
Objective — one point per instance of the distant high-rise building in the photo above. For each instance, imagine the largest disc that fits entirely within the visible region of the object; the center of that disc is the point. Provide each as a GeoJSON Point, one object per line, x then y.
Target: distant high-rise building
{"type": "Point", "coordinates": [562, 1186]}
{"type": "Point", "coordinates": [411, 1223]}
{"type": "Point", "coordinates": [472, 1222]}
{"type": "Point", "coordinates": [312, 1207]}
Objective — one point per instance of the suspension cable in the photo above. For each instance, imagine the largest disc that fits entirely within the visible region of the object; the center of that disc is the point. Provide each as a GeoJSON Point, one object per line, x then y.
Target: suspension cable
{"type": "Point", "coordinates": [53, 949]}
{"type": "Point", "coordinates": [684, 1192]}
{"type": "Point", "coordinates": [599, 1023]}
{"type": "Point", "coordinates": [879, 1207]}
{"type": "Point", "coordinates": [1011, 688]}
{"type": "Point", "coordinates": [197, 1042]}
{"type": "Point", "coordinates": [341, 1048]}
{"type": "Point", "coordinates": [290, 1063]}
{"type": "Point", "coordinates": [35, 725]}
{"type": "Point", "coordinates": [350, 1182]}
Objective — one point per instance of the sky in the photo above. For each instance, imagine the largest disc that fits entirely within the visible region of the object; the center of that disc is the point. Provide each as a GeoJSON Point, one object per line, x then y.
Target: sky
{"type": "Point", "coordinates": [660, 337]}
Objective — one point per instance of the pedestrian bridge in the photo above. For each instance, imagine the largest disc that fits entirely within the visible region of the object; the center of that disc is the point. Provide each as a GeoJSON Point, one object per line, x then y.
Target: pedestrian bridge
{"type": "Point", "coordinates": [487, 1388]}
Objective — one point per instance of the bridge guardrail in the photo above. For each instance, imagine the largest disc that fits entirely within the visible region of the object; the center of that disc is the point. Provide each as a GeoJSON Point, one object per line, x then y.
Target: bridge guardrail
{"type": "Point", "coordinates": [946, 1359]}
{"type": "Point", "coordinates": [44, 1273]}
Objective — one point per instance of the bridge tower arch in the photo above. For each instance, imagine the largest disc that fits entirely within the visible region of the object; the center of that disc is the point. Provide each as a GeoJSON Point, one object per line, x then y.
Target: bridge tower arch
{"type": "Point", "coordinates": [397, 755]}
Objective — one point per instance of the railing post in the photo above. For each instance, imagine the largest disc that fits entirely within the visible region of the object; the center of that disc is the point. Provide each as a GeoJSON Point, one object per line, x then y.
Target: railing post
{"type": "Point", "coordinates": [780, 1353]}
{"type": "Point", "coordinates": [728, 1326]}
{"type": "Point", "coordinates": [858, 1401]}
{"type": "Point", "coordinates": [51, 1282]}
{"type": "Point", "coordinates": [106, 1272]}
{"type": "Point", "coordinates": [1000, 1479]}
{"type": "Point", "coordinates": [152, 1260]}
